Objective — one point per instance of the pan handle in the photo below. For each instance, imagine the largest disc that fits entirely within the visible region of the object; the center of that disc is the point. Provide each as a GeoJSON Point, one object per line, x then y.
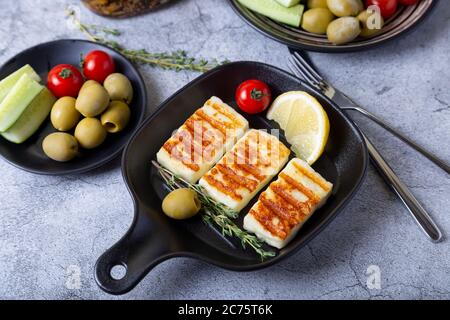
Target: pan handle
{"type": "Point", "coordinates": [140, 250]}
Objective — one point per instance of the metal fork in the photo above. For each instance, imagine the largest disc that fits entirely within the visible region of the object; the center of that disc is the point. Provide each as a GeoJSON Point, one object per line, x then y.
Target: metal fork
{"type": "Point", "coordinates": [346, 103]}
{"type": "Point", "coordinates": [302, 69]}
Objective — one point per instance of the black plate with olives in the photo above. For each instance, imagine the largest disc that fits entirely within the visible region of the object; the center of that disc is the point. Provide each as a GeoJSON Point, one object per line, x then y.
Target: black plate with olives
{"type": "Point", "coordinates": [29, 155]}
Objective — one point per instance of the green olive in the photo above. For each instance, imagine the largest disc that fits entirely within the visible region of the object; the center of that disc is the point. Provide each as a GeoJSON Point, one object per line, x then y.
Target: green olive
{"type": "Point", "coordinates": [343, 30]}
{"type": "Point", "coordinates": [311, 4]}
{"type": "Point", "coordinates": [64, 116]}
{"type": "Point", "coordinates": [116, 117]}
{"type": "Point", "coordinates": [317, 20]}
{"type": "Point", "coordinates": [119, 87]}
{"type": "Point", "coordinates": [88, 83]}
{"type": "Point", "coordinates": [92, 100]}
{"type": "Point", "coordinates": [181, 204]}
{"type": "Point", "coordinates": [345, 8]}
{"type": "Point", "coordinates": [90, 133]}
{"type": "Point", "coordinates": [371, 23]}
{"type": "Point", "coordinates": [60, 146]}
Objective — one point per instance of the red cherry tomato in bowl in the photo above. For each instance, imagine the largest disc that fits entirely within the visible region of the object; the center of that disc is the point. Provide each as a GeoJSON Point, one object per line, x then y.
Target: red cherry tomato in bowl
{"type": "Point", "coordinates": [253, 96]}
{"type": "Point", "coordinates": [387, 7]}
{"type": "Point", "coordinates": [65, 80]}
{"type": "Point", "coordinates": [98, 65]}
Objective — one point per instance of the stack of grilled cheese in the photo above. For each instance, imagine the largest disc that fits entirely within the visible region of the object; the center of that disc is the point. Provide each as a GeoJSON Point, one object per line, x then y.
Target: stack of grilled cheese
{"type": "Point", "coordinates": [252, 158]}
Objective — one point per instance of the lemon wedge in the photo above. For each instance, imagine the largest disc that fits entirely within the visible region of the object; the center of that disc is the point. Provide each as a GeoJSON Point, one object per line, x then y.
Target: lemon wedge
{"type": "Point", "coordinates": [304, 121]}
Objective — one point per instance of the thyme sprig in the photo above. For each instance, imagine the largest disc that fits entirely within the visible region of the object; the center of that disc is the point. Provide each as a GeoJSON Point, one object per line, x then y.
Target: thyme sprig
{"type": "Point", "coordinates": [105, 30]}
{"type": "Point", "coordinates": [216, 214]}
{"type": "Point", "coordinates": [177, 60]}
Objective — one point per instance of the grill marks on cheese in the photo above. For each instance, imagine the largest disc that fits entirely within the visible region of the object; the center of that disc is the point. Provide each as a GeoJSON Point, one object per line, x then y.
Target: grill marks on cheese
{"type": "Point", "coordinates": [202, 140]}
{"type": "Point", "coordinates": [314, 178]}
{"type": "Point", "coordinates": [287, 203]}
{"type": "Point", "coordinates": [226, 188]}
{"type": "Point", "coordinates": [233, 176]}
{"type": "Point", "coordinates": [281, 212]}
{"type": "Point", "coordinates": [241, 168]}
{"type": "Point", "coordinates": [293, 184]}
{"type": "Point", "coordinates": [245, 169]}
{"type": "Point", "coordinates": [217, 125]}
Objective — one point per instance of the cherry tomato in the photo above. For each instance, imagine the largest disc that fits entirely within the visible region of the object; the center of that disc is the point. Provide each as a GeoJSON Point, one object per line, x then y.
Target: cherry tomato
{"type": "Point", "coordinates": [98, 65]}
{"type": "Point", "coordinates": [387, 7]}
{"type": "Point", "coordinates": [65, 80]}
{"type": "Point", "coordinates": [407, 2]}
{"type": "Point", "coordinates": [253, 96]}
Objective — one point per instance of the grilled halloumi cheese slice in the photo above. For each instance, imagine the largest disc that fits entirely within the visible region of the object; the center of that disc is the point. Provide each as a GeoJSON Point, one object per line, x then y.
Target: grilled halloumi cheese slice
{"type": "Point", "coordinates": [287, 204]}
{"type": "Point", "coordinates": [202, 140]}
{"type": "Point", "coordinates": [244, 170]}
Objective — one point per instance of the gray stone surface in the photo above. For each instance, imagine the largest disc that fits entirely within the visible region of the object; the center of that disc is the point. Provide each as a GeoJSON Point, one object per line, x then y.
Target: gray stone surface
{"type": "Point", "coordinates": [48, 224]}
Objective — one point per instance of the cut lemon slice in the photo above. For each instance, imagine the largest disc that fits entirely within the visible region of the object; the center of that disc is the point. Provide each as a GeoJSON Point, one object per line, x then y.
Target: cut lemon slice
{"type": "Point", "coordinates": [304, 121]}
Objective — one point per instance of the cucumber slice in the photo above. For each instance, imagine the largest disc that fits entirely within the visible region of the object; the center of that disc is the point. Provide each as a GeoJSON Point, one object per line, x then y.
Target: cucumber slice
{"type": "Point", "coordinates": [288, 3]}
{"type": "Point", "coordinates": [32, 118]}
{"type": "Point", "coordinates": [20, 96]}
{"type": "Point", "coordinates": [9, 82]}
{"type": "Point", "coordinates": [272, 9]}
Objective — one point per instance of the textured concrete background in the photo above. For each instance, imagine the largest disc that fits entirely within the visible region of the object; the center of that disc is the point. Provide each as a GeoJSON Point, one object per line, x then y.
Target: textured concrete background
{"type": "Point", "coordinates": [48, 224]}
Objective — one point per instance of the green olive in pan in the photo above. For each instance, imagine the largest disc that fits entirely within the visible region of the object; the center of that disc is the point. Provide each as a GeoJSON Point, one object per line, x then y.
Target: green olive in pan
{"type": "Point", "coordinates": [317, 20]}
{"type": "Point", "coordinates": [181, 204]}
{"type": "Point", "coordinates": [60, 146]}
{"type": "Point", "coordinates": [343, 30]}
{"type": "Point", "coordinates": [311, 4]}
{"type": "Point", "coordinates": [371, 23]}
{"type": "Point", "coordinates": [116, 117]}
{"type": "Point", "coordinates": [64, 116]}
{"type": "Point", "coordinates": [119, 87]}
{"type": "Point", "coordinates": [345, 8]}
{"type": "Point", "coordinates": [90, 133]}
{"type": "Point", "coordinates": [92, 100]}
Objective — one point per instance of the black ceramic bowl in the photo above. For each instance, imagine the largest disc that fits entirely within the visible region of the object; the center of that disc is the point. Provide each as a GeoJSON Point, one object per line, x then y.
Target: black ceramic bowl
{"type": "Point", "coordinates": [153, 237]}
{"type": "Point", "coordinates": [29, 155]}
{"type": "Point", "coordinates": [400, 24]}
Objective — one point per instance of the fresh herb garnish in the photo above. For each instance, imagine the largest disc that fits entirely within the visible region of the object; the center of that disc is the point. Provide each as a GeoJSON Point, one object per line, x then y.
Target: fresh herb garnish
{"type": "Point", "coordinates": [110, 31]}
{"type": "Point", "coordinates": [177, 60]}
{"type": "Point", "coordinates": [65, 73]}
{"type": "Point", "coordinates": [216, 214]}
{"type": "Point", "coordinates": [82, 61]}
{"type": "Point", "coordinates": [257, 94]}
